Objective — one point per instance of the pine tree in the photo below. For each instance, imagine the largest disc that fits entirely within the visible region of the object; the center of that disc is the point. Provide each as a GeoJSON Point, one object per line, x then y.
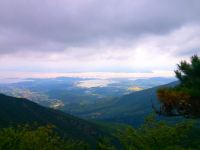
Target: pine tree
{"type": "Point", "coordinates": [183, 99]}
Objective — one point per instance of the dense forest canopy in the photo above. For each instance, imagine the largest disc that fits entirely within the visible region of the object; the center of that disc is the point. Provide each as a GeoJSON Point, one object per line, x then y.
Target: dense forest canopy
{"type": "Point", "coordinates": [153, 135]}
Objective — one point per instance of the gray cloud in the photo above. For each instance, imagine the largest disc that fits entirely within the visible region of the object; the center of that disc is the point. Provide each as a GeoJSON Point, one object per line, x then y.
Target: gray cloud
{"type": "Point", "coordinates": [43, 25]}
{"type": "Point", "coordinates": [101, 34]}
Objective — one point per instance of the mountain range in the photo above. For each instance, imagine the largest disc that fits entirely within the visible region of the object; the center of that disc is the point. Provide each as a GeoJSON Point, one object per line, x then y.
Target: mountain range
{"type": "Point", "coordinates": [129, 109]}
{"type": "Point", "coordinates": [125, 107]}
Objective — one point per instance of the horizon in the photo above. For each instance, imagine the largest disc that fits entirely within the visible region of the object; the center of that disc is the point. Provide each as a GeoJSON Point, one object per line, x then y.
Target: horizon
{"type": "Point", "coordinates": [98, 75]}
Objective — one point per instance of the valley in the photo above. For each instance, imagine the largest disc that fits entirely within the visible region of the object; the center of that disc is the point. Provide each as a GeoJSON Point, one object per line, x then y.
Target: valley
{"type": "Point", "coordinates": [93, 99]}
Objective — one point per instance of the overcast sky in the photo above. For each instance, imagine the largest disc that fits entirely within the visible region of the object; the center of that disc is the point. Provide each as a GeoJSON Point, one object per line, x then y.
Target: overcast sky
{"type": "Point", "coordinates": [62, 36]}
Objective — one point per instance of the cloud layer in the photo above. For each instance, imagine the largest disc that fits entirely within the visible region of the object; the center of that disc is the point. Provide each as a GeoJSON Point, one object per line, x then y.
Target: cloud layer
{"type": "Point", "coordinates": [97, 35]}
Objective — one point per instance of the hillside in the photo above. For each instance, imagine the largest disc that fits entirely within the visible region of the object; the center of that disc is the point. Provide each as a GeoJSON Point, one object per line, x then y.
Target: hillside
{"type": "Point", "coordinates": [71, 94]}
{"type": "Point", "coordinates": [15, 111]}
{"type": "Point", "coordinates": [131, 108]}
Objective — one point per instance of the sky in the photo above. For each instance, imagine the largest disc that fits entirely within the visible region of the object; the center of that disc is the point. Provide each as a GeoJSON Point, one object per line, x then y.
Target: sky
{"type": "Point", "coordinates": [97, 37]}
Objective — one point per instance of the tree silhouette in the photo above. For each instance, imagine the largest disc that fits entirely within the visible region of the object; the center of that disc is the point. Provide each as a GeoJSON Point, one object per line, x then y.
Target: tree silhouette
{"type": "Point", "coordinates": [184, 99]}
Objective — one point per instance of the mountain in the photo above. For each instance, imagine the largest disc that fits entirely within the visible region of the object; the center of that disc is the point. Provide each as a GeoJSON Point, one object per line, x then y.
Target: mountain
{"type": "Point", "coordinates": [131, 108]}
{"type": "Point", "coordinates": [98, 103]}
{"type": "Point", "coordinates": [74, 93]}
{"type": "Point", "coordinates": [153, 82]}
{"type": "Point", "coordinates": [16, 111]}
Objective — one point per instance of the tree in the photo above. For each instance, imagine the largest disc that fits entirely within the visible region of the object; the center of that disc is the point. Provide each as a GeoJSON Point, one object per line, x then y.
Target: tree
{"type": "Point", "coordinates": [105, 144]}
{"type": "Point", "coordinates": [184, 99]}
{"type": "Point", "coordinates": [159, 135]}
{"type": "Point", "coordinates": [41, 138]}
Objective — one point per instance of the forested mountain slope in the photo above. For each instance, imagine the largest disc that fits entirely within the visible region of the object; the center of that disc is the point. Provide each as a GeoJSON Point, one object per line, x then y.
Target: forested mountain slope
{"type": "Point", "coordinates": [131, 108]}
{"type": "Point", "coordinates": [17, 111]}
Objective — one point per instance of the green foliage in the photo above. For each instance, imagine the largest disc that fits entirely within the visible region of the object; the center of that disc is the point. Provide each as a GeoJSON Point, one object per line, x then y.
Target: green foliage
{"type": "Point", "coordinates": [189, 73]}
{"type": "Point", "coordinates": [105, 144]}
{"type": "Point", "coordinates": [152, 135]}
{"type": "Point", "coordinates": [161, 136]}
{"type": "Point", "coordinates": [41, 138]}
{"type": "Point", "coordinates": [16, 111]}
{"type": "Point", "coordinates": [183, 99]}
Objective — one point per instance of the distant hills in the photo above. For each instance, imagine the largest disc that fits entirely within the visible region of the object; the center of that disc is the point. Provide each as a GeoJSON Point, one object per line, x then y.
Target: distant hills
{"type": "Point", "coordinates": [113, 102]}
{"type": "Point", "coordinates": [63, 92]}
{"type": "Point", "coordinates": [131, 108]}
{"type": "Point", "coordinates": [16, 111]}
{"type": "Point", "coordinates": [153, 82]}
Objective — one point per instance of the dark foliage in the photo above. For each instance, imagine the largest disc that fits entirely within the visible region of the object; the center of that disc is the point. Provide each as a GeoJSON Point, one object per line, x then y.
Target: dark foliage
{"type": "Point", "coordinates": [183, 99]}
{"type": "Point", "coordinates": [41, 138]}
{"type": "Point", "coordinates": [155, 135]}
{"type": "Point", "coordinates": [15, 111]}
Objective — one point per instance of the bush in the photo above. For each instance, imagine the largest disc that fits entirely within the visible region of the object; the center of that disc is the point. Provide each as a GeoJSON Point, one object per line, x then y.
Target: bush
{"type": "Point", "coordinates": [41, 138]}
{"type": "Point", "coordinates": [162, 136]}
